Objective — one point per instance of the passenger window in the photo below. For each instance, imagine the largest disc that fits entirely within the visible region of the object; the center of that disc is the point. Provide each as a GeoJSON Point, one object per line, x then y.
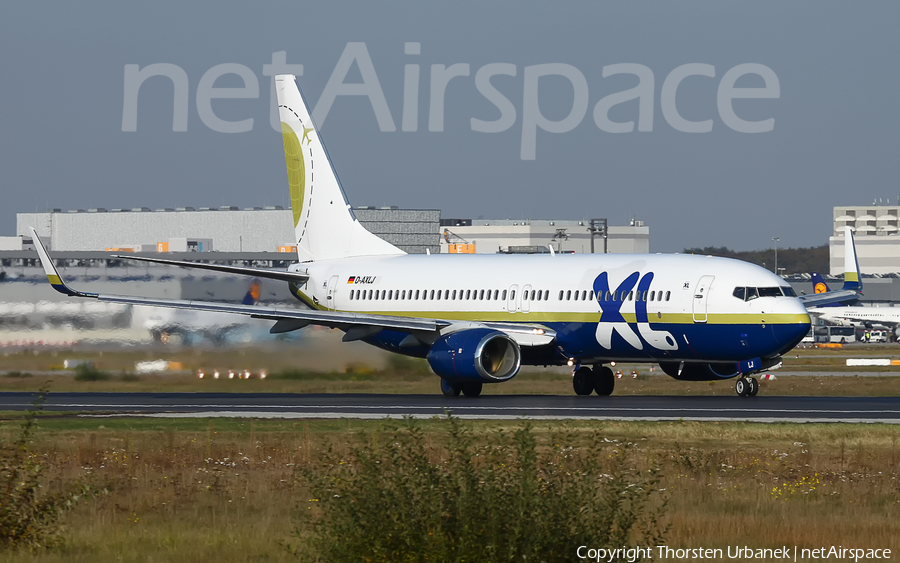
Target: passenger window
{"type": "Point", "coordinates": [560, 294]}
{"type": "Point", "coordinates": [439, 294]}
{"type": "Point", "coordinates": [668, 294]}
{"type": "Point", "coordinates": [576, 295]}
{"type": "Point", "coordinates": [468, 294]}
{"type": "Point", "coordinates": [512, 294]}
{"type": "Point", "coordinates": [631, 295]}
{"type": "Point", "coordinates": [454, 295]}
{"type": "Point", "coordinates": [546, 295]}
{"type": "Point", "coordinates": [740, 293]}
{"type": "Point", "coordinates": [431, 295]}
{"type": "Point", "coordinates": [652, 295]}
{"type": "Point", "coordinates": [540, 294]}
{"type": "Point", "coordinates": [584, 295]}
{"type": "Point", "coordinates": [568, 294]}
{"type": "Point", "coordinates": [481, 295]}
{"type": "Point", "coordinates": [496, 294]}
{"type": "Point", "coordinates": [383, 294]}
{"type": "Point", "coordinates": [390, 295]}
{"type": "Point", "coordinates": [504, 295]}
{"type": "Point", "coordinates": [417, 294]}
{"type": "Point", "coordinates": [351, 294]}
{"type": "Point", "coordinates": [532, 294]}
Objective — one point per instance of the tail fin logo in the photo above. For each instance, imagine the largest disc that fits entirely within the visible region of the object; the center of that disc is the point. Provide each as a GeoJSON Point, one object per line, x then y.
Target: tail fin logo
{"type": "Point", "coordinates": [820, 288]}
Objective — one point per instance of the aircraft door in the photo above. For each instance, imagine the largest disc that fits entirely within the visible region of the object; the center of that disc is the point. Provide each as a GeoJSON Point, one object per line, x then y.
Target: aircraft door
{"type": "Point", "coordinates": [329, 293]}
{"type": "Point", "coordinates": [511, 298]}
{"type": "Point", "coordinates": [701, 296]}
{"type": "Point", "coordinates": [526, 298]}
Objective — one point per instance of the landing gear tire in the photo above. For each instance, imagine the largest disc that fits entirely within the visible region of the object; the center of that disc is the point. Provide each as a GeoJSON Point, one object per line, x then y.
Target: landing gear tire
{"type": "Point", "coordinates": [741, 387]}
{"type": "Point", "coordinates": [583, 381]}
{"type": "Point", "coordinates": [604, 382]}
{"type": "Point", "coordinates": [472, 388]}
{"type": "Point", "coordinates": [450, 389]}
{"type": "Point", "coordinates": [754, 387]}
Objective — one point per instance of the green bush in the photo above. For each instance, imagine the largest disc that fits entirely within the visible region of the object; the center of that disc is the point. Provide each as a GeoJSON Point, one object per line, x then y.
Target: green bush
{"type": "Point", "coordinates": [28, 516]}
{"type": "Point", "coordinates": [294, 374]}
{"type": "Point", "coordinates": [17, 374]}
{"type": "Point", "coordinates": [87, 372]}
{"type": "Point", "coordinates": [406, 365]}
{"type": "Point", "coordinates": [395, 499]}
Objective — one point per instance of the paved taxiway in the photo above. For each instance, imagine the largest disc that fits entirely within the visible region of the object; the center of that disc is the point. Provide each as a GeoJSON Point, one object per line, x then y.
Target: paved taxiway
{"type": "Point", "coordinates": [631, 407]}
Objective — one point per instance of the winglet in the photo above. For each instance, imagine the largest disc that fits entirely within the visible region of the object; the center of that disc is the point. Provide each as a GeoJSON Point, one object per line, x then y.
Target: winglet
{"type": "Point", "coordinates": [852, 277]}
{"type": "Point", "coordinates": [50, 269]}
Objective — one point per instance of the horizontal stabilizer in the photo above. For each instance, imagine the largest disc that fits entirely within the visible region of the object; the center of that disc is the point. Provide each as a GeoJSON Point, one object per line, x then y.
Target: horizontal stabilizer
{"type": "Point", "coordinates": [281, 275]}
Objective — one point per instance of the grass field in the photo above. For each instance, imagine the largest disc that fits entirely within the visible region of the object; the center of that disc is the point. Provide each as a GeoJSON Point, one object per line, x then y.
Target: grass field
{"type": "Point", "coordinates": [226, 489]}
{"type": "Point", "coordinates": [213, 490]}
{"type": "Point", "coordinates": [325, 365]}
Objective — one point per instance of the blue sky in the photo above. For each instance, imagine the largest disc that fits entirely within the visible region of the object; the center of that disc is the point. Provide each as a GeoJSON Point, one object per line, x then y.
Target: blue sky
{"type": "Point", "coordinates": [833, 140]}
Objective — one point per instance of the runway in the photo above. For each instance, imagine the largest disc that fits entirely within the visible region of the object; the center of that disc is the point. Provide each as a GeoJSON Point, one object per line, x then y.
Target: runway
{"type": "Point", "coordinates": [372, 406]}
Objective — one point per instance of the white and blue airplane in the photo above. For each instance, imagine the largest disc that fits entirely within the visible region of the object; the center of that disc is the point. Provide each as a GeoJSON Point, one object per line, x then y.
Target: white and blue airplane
{"type": "Point", "coordinates": [478, 318]}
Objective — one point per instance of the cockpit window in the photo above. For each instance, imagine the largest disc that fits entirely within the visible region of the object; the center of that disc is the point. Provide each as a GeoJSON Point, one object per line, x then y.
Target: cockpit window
{"type": "Point", "coordinates": [750, 293]}
{"type": "Point", "coordinates": [770, 292]}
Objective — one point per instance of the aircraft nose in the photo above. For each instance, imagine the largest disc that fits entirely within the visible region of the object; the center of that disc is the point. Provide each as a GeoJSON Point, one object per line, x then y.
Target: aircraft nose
{"type": "Point", "coordinates": [792, 322]}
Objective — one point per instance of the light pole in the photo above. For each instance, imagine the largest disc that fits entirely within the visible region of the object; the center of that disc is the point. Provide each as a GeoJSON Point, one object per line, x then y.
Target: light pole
{"type": "Point", "coordinates": [776, 239]}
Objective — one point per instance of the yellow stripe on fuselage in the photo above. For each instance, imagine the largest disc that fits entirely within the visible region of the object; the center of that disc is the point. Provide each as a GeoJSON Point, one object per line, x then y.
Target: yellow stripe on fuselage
{"type": "Point", "coordinates": [593, 317]}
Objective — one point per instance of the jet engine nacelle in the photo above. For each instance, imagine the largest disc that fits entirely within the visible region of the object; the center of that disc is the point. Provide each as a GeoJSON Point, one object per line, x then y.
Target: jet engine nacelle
{"type": "Point", "coordinates": [478, 354]}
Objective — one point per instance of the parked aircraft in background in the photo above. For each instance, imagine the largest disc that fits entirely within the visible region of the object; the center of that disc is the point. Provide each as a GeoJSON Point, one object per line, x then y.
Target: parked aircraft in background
{"type": "Point", "coordinates": [837, 312]}
{"type": "Point", "coordinates": [478, 318]}
{"type": "Point", "coordinates": [168, 325]}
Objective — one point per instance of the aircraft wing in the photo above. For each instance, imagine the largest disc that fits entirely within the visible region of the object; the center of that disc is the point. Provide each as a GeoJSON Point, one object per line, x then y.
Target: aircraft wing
{"type": "Point", "coordinates": [356, 325]}
{"type": "Point", "coordinates": [280, 275]}
{"type": "Point", "coordinates": [827, 298]}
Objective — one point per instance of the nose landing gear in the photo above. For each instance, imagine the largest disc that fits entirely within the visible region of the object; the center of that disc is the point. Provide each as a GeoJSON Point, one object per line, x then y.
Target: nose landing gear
{"type": "Point", "coordinates": [746, 387]}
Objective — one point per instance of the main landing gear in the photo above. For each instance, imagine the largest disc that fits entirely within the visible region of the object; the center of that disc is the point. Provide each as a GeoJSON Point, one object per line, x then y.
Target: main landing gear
{"type": "Point", "coordinates": [746, 387]}
{"type": "Point", "coordinates": [467, 388]}
{"type": "Point", "coordinates": [586, 381]}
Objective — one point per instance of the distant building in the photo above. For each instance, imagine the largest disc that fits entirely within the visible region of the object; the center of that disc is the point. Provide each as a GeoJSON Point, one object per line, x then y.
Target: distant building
{"type": "Point", "coordinates": [535, 235]}
{"type": "Point", "coordinates": [223, 229]}
{"type": "Point", "coordinates": [875, 230]}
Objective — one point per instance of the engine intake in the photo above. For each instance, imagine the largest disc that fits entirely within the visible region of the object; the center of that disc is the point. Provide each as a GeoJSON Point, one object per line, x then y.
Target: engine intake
{"type": "Point", "coordinates": [479, 354]}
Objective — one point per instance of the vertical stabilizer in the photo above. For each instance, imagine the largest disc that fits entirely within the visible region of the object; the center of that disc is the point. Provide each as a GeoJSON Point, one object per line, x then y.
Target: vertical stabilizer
{"type": "Point", "coordinates": [324, 225]}
{"type": "Point", "coordinates": [852, 277]}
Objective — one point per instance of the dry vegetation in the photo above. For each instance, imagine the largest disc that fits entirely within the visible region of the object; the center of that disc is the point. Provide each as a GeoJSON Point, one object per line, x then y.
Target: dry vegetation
{"type": "Point", "coordinates": [194, 490]}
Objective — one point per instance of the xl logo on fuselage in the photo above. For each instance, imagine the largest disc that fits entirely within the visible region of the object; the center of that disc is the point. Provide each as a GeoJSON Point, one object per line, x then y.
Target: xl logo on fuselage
{"type": "Point", "coordinates": [612, 320]}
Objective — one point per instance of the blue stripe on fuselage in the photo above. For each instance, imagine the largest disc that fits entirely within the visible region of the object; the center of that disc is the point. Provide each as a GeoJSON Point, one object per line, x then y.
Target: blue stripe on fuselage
{"type": "Point", "coordinates": [700, 341]}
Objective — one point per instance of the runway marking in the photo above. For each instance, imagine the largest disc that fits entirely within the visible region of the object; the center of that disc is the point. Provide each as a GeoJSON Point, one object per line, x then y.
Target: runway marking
{"type": "Point", "coordinates": [612, 408]}
{"type": "Point", "coordinates": [367, 416]}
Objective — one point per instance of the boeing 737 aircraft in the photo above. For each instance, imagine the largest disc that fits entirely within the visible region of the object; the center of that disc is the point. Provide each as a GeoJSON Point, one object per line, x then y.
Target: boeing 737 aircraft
{"type": "Point", "coordinates": [478, 318]}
